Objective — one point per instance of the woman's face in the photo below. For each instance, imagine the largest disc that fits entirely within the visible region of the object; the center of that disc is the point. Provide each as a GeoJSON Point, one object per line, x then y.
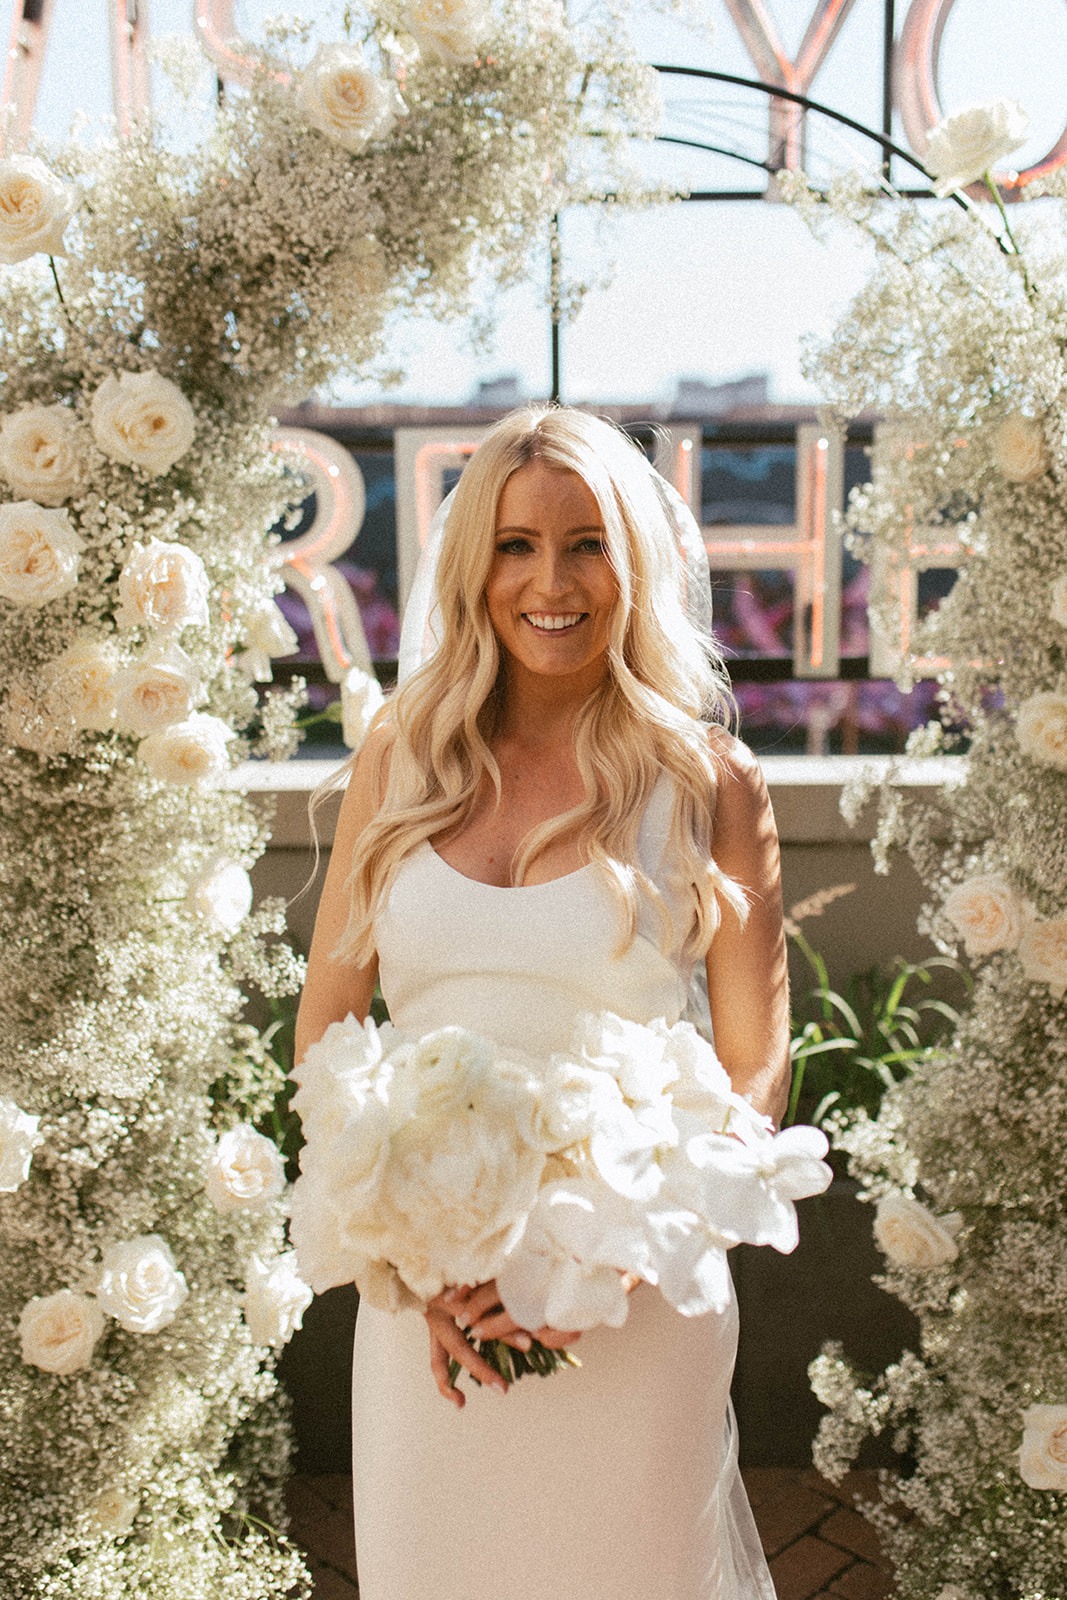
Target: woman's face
{"type": "Point", "coordinates": [551, 590]}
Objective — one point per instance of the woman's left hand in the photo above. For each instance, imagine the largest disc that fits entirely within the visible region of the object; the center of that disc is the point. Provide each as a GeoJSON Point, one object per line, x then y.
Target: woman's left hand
{"type": "Point", "coordinates": [481, 1315]}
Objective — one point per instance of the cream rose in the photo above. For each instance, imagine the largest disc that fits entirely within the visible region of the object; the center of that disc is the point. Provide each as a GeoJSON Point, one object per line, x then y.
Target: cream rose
{"type": "Point", "coordinates": [39, 454]}
{"type": "Point", "coordinates": [114, 1511]}
{"type": "Point", "coordinates": [39, 553]}
{"type": "Point", "coordinates": [140, 1285]}
{"type": "Point", "coordinates": [274, 1300]}
{"type": "Point", "coordinates": [163, 585]}
{"type": "Point", "coordinates": [1019, 449]}
{"type": "Point", "coordinates": [160, 689]}
{"type": "Point", "coordinates": [222, 894]}
{"type": "Point", "coordinates": [35, 208]}
{"type": "Point", "coordinates": [970, 142]}
{"type": "Point", "coordinates": [267, 634]}
{"type": "Point", "coordinates": [189, 752]}
{"type": "Point", "coordinates": [1043, 1455]}
{"type": "Point", "coordinates": [987, 913]}
{"type": "Point", "coordinates": [361, 700]}
{"type": "Point", "coordinates": [18, 1140]}
{"type": "Point", "coordinates": [59, 1331]}
{"type": "Point", "coordinates": [143, 420]}
{"type": "Point", "coordinates": [1043, 953]}
{"type": "Point", "coordinates": [245, 1171]}
{"type": "Point", "coordinates": [1058, 607]}
{"type": "Point", "coordinates": [1041, 729]}
{"type": "Point", "coordinates": [452, 30]}
{"type": "Point", "coordinates": [344, 99]}
{"type": "Point", "coordinates": [82, 682]}
{"type": "Point", "coordinates": [911, 1236]}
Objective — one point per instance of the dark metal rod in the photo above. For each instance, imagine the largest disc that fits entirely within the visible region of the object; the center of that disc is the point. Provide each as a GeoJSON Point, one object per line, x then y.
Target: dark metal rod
{"type": "Point", "coordinates": [888, 48]}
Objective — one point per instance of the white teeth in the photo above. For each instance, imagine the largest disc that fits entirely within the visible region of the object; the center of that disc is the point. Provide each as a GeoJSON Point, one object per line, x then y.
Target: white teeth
{"type": "Point", "coordinates": [545, 620]}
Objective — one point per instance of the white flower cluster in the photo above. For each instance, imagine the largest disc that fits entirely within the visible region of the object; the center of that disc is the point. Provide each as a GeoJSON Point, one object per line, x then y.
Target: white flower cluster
{"type": "Point", "coordinates": [442, 1161]}
{"type": "Point", "coordinates": [958, 342]}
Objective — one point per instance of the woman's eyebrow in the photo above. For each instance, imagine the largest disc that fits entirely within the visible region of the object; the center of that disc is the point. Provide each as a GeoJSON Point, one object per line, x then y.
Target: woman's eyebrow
{"type": "Point", "coordinates": [517, 527]}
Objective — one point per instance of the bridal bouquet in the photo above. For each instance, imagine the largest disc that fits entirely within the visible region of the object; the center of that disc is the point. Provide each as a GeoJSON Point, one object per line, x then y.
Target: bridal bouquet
{"type": "Point", "coordinates": [449, 1160]}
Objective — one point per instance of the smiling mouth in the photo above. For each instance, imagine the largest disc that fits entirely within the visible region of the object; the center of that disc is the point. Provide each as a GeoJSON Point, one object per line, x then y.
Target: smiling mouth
{"type": "Point", "coordinates": [549, 622]}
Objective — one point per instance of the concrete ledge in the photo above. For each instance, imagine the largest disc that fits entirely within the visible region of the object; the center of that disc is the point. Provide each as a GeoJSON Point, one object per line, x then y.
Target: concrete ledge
{"type": "Point", "coordinates": [805, 792]}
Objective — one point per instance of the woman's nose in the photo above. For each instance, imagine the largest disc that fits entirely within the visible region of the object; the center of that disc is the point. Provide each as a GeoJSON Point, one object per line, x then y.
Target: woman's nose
{"type": "Point", "coordinates": [552, 578]}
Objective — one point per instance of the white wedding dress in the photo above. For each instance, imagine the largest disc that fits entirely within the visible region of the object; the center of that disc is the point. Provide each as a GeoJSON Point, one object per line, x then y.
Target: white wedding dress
{"type": "Point", "coordinates": [615, 1481]}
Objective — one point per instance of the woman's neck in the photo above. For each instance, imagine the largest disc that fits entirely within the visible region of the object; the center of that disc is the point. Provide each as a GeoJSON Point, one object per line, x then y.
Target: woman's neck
{"type": "Point", "coordinates": [540, 710]}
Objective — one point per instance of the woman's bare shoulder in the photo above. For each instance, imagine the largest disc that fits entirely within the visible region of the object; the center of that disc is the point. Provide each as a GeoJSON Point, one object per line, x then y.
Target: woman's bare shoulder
{"type": "Point", "coordinates": [732, 757]}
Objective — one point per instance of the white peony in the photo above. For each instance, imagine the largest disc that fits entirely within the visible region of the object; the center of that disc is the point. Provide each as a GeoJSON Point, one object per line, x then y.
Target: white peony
{"type": "Point", "coordinates": [39, 553]}
{"type": "Point", "coordinates": [911, 1236]}
{"type": "Point", "coordinates": [189, 752]}
{"type": "Point", "coordinates": [987, 913]}
{"type": "Point", "coordinates": [140, 1285]}
{"type": "Point", "coordinates": [267, 634]}
{"type": "Point", "coordinates": [114, 1511]}
{"type": "Point", "coordinates": [274, 1300]}
{"type": "Point", "coordinates": [1043, 1455]}
{"type": "Point", "coordinates": [40, 455]}
{"type": "Point", "coordinates": [163, 585]}
{"type": "Point", "coordinates": [1058, 606]}
{"type": "Point", "coordinates": [143, 420]}
{"type": "Point", "coordinates": [970, 142]}
{"type": "Point", "coordinates": [81, 682]}
{"type": "Point", "coordinates": [1019, 449]}
{"type": "Point", "coordinates": [329, 1250]}
{"type": "Point", "coordinates": [361, 700]}
{"type": "Point", "coordinates": [245, 1171]}
{"type": "Point", "coordinates": [1043, 953]}
{"type": "Point", "coordinates": [59, 1331]}
{"type": "Point", "coordinates": [222, 894]}
{"type": "Point", "coordinates": [160, 688]}
{"type": "Point", "coordinates": [35, 207]}
{"type": "Point", "coordinates": [1041, 728]}
{"type": "Point", "coordinates": [565, 1272]}
{"type": "Point", "coordinates": [340, 95]}
{"type": "Point", "coordinates": [19, 1138]}
{"type": "Point", "coordinates": [1043, 1452]}
{"type": "Point", "coordinates": [452, 30]}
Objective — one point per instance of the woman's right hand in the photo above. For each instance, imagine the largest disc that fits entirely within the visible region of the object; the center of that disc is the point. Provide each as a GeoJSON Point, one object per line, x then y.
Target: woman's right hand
{"type": "Point", "coordinates": [453, 1312]}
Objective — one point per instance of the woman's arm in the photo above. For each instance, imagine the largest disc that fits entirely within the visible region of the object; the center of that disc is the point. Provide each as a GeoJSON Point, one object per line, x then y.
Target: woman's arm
{"type": "Point", "coordinates": [748, 985]}
{"type": "Point", "coordinates": [334, 988]}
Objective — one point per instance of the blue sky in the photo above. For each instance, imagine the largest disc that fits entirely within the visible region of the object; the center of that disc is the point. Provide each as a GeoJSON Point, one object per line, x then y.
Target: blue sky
{"type": "Point", "coordinates": [712, 290]}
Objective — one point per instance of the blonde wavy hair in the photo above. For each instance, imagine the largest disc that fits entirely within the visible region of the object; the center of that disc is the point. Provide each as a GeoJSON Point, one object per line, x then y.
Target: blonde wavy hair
{"type": "Point", "coordinates": [665, 683]}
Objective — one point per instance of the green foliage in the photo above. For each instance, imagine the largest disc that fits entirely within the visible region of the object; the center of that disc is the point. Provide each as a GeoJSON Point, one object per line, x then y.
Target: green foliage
{"type": "Point", "coordinates": [848, 1048]}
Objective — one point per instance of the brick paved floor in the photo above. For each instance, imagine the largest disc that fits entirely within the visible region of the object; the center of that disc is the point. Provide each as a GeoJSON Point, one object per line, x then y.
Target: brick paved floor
{"type": "Point", "coordinates": [818, 1546]}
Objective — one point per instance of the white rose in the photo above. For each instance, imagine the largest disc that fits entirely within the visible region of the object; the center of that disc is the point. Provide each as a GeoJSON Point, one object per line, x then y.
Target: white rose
{"type": "Point", "coordinates": [18, 1140]}
{"type": "Point", "coordinates": [1019, 449]}
{"type": "Point", "coordinates": [81, 681]}
{"type": "Point", "coordinates": [163, 586]}
{"type": "Point", "coordinates": [267, 634]}
{"type": "Point", "coordinates": [59, 1331]}
{"type": "Point", "coordinates": [159, 689]}
{"type": "Point", "coordinates": [911, 1236]}
{"type": "Point", "coordinates": [452, 30]}
{"type": "Point", "coordinates": [361, 700]}
{"type": "Point", "coordinates": [970, 142]}
{"type": "Point", "coordinates": [1041, 729]}
{"type": "Point", "coordinates": [245, 1171]}
{"type": "Point", "coordinates": [143, 420]}
{"type": "Point", "coordinates": [222, 893]}
{"type": "Point", "coordinates": [1043, 953]}
{"type": "Point", "coordinates": [39, 552]}
{"type": "Point", "coordinates": [1058, 608]}
{"type": "Point", "coordinates": [39, 454]}
{"type": "Point", "coordinates": [193, 751]}
{"type": "Point", "coordinates": [35, 207]}
{"type": "Point", "coordinates": [1043, 1455]}
{"type": "Point", "coordinates": [987, 913]}
{"type": "Point", "coordinates": [344, 99]}
{"type": "Point", "coordinates": [140, 1285]}
{"type": "Point", "coordinates": [274, 1300]}
{"type": "Point", "coordinates": [114, 1511]}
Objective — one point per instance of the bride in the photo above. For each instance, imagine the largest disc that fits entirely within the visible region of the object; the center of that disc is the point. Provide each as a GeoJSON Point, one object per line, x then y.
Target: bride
{"type": "Point", "coordinates": [549, 818]}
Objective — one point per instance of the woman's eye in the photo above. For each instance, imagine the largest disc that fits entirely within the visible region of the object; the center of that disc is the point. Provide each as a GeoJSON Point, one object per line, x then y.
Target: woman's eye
{"type": "Point", "coordinates": [591, 546]}
{"type": "Point", "coordinates": [513, 546]}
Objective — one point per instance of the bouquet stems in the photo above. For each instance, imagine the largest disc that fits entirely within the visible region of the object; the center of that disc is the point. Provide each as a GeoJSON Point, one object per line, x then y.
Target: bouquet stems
{"type": "Point", "coordinates": [513, 1364]}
